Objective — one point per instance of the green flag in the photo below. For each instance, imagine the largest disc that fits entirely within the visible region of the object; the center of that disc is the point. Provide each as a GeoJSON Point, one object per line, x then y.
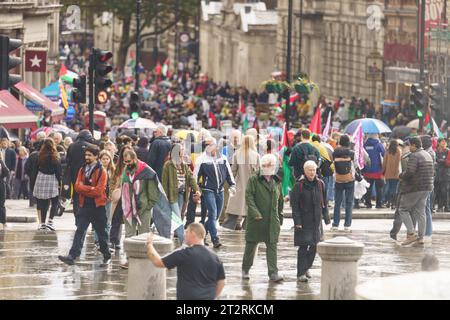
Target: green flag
{"type": "Point", "coordinates": [288, 178]}
{"type": "Point", "coordinates": [245, 125]}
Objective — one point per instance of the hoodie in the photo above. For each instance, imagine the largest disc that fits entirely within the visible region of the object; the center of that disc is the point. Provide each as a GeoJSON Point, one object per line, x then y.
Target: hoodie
{"type": "Point", "coordinates": [376, 151]}
{"type": "Point", "coordinates": [75, 153]}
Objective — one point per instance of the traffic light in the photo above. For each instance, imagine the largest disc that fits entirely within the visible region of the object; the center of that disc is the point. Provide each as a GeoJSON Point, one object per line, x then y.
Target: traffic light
{"type": "Point", "coordinates": [437, 96]}
{"type": "Point", "coordinates": [101, 69]}
{"type": "Point", "coordinates": [8, 62]}
{"type": "Point", "coordinates": [418, 98]}
{"type": "Point", "coordinates": [79, 89]}
{"type": "Point", "coordinates": [135, 105]}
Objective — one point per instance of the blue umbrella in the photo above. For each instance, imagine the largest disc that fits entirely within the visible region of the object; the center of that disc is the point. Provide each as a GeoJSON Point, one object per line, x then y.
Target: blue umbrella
{"type": "Point", "coordinates": [369, 125]}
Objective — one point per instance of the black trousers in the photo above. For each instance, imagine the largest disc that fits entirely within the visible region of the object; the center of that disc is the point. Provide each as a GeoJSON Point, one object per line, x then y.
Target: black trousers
{"type": "Point", "coordinates": [115, 234]}
{"type": "Point", "coordinates": [305, 259]}
{"type": "Point", "coordinates": [379, 190]}
{"type": "Point", "coordinates": [442, 190]}
{"type": "Point", "coordinates": [76, 205]}
{"type": "Point", "coordinates": [44, 204]}
{"type": "Point", "coordinates": [2, 202]}
{"type": "Point", "coordinates": [97, 217]}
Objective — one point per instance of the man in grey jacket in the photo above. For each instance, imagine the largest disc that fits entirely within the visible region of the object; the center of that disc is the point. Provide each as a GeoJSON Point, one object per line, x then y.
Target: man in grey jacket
{"type": "Point", "coordinates": [418, 182]}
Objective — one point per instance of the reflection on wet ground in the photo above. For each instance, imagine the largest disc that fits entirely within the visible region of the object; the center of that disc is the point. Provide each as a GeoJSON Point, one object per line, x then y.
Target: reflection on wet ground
{"type": "Point", "coordinates": [30, 269]}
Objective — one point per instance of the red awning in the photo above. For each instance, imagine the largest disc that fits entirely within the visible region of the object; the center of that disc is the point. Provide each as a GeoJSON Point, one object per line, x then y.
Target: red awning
{"type": "Point", "coordinates": [34, 95]}
{"type": "Point", "coordinates": [13, 114]}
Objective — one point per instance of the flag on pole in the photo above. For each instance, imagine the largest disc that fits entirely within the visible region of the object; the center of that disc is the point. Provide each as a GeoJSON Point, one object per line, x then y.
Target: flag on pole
{"type": "Point", "coordinates": [241, 105]}
{"type": "Point", "coordinates": [243, 112]}
{"type": "Point", "coordinates": [435, 129]}
{"type": "Point", "coordinates": [212, 122]}
{"type": "Point", "coordinates": [67, 75]}
{"type": "Point", "coordinates": [165, 68]}
{"type": "Point", "coordinates": [288, 178]}
{"type": "Point", "coordinates": [292, 99]}
{"type": "Point", "coordinates": [316, 125]}
{"type": "Point", "coordinates": [63, 94]}
{"type": "Point", "coordinates": [358, 139]}
{"type": "Point", "coordinates": [158, 68]}
{"type": "Point", "coordinates": [326, 130]}
{"type": "Point", "coordinates": [426, 120]}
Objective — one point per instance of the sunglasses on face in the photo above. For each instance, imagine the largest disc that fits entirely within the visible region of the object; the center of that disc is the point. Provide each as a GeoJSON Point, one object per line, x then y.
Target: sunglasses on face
{"type": "Point", "coordinates": [127, 161]}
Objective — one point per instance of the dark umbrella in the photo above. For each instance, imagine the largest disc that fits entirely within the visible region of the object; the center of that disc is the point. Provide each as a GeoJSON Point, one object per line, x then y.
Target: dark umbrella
{"type": "Point", "coordinates": [401, 132]}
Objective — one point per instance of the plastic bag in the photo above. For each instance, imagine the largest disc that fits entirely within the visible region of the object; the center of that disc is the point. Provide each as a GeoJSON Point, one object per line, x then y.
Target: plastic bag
{"type": "Point", "coordinates": [361, 188]}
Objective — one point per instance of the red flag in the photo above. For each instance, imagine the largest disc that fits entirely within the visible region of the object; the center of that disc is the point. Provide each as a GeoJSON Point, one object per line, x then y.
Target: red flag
{"type": "Point", "coordinates": [316, 125]}
{"type": "Point", "coordinates": [158, 68]}
{"type": "Point", "coordinates": [426, 121]}
{"type": "Point", "coordinates": [63, 70]}
{"type": "Point", "coordinates": [212, 122]}
{"type": "Point", "coordinates": [241, 105]}
{"type": "Point", "coordinates": [284, 138]}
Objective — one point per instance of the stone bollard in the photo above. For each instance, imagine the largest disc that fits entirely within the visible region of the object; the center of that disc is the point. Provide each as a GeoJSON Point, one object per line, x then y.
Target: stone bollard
{"type": "Point", "coordinates": [145, 281]}
{"type": "Point", "coordinates": [339, 276]}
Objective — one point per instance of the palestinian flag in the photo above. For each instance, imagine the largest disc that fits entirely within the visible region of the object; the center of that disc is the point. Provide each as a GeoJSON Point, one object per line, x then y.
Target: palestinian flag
{"type": "Point", "coordinates": [292, 99]}
{"type": "Point", "coordinates": [67, 75]}
{"type": "Point", "coordinates": [243, 112]}
{"type": "Point", "coordinates": [165, 68]}
{"type": "Point", "coordinates": [288, 178]}
{"type": "Point", "coordinates": [212, 121]}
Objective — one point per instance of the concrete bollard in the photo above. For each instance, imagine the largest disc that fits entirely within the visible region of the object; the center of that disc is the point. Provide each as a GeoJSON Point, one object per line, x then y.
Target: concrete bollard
{"type": "Point", "coordinates": [145, 281]}
{"type": "Point", "coordinates": [339, 276]}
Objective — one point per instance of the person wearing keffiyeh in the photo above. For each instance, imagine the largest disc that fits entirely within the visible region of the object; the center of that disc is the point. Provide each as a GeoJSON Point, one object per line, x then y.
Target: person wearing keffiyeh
{"type": "Point", "coordinates": [140, 193]}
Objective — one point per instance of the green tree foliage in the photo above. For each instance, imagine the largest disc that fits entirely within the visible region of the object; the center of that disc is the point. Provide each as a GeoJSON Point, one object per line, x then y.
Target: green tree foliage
{"type": "Point", "coordinates": [164, 14]}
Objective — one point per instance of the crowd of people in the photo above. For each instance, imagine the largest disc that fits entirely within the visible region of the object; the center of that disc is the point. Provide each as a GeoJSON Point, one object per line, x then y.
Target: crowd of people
{"type": "Point", "coordinates": [241, 179]}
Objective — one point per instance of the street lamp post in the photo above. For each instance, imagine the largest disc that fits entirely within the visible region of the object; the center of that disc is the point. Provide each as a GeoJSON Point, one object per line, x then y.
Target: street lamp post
{"type": "Point", "coordinates": [288, 62]}
{"type": "Point", "coordinates": [300, 30]}
{"type": "Point", "coordinates": [155, 47]}
{"type": "Point", "coordinates": [138, 43]}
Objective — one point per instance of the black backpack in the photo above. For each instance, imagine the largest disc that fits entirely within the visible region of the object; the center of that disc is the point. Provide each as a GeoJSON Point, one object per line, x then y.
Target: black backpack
{"type": "Point", "coordinates": [309, 156]}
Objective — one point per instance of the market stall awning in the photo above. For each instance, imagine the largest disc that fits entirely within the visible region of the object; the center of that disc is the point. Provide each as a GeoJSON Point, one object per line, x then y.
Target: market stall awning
{"type": "Point", "coordinates": [13, 114]}
{"type": "Point", "coordinates": [35, 96]}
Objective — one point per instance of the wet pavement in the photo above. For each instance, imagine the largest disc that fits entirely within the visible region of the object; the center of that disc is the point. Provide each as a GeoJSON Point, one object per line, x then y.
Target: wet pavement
{"type": "Point", "coordinates": [30, 269]}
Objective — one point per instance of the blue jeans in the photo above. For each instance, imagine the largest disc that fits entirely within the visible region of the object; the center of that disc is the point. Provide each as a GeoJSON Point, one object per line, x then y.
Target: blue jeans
{"type": "Point", "coordinates": [391, 190]}
{"type": "Point", "coordinates": [214, 204]}
{"type": "Point", "coordinates": [339, 189]}
{"type": "Point", "coordinates": [176, 207]}
{"type": "Point", "coordinates": [429, 227]}
{"type": "Point", "coordinates": [329, 185]}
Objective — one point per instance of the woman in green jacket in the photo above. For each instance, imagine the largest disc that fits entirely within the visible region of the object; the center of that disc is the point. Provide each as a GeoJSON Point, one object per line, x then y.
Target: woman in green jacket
{"type": "Point", "coordinates": [177, 181]}
{"type": "Point", "coordinates": [264, 216]}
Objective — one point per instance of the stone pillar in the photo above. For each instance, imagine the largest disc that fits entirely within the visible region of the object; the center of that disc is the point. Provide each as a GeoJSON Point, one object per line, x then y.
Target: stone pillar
{"type": "Point", "coordinates": [340, 257]}
{"type": "Point", "coordinates": [145, 281]}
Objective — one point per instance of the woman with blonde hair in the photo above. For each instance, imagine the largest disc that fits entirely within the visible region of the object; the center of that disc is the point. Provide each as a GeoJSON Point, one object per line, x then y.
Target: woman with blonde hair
{"type": "Point", "coordinates": [245, 163]}
{"type": "Point", "coordinates": [107, 161]}
{"type": "Point", "coordinates": [116, 203]}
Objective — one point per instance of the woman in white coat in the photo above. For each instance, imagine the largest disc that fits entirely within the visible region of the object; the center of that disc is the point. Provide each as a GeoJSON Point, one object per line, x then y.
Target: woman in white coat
{"type": "Point", "coordinates": [245, 163]}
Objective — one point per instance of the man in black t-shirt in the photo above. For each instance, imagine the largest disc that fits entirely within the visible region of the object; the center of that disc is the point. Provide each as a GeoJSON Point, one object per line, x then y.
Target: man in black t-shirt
{"type": "Point", "coordinates": [200, 272]}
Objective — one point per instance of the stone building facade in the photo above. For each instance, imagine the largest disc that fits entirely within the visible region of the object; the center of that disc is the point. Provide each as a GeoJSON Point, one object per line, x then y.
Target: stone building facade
{"type": "Point", "coordinates": [336, 43]}
{"type": "Point", "coordinates": [238, 42]}
{"type": "Point", "coordinates": [36, 23]}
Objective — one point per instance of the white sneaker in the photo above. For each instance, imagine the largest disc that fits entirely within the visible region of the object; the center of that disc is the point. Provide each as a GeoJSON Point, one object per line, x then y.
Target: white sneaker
{"type": "Point", "coordinates": [347, 229]}
{"type": "Point", "coordinates": [2, 226]}
{"type": "Point", "coordinates": [334, 229]}
{"type": "Point", "coordinates": [427, 239]}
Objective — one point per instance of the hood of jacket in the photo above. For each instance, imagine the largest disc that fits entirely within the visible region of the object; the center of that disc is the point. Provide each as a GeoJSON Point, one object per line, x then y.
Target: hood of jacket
{"type": "Point", "coordinates": [85, 135]}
